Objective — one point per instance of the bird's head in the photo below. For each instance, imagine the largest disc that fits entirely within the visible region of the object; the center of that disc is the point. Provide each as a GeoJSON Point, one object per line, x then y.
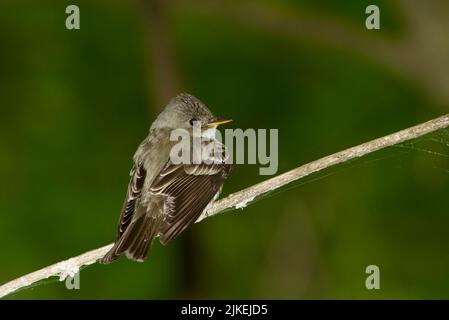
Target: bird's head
{"type": "Point", "coordinates": [184, 112]}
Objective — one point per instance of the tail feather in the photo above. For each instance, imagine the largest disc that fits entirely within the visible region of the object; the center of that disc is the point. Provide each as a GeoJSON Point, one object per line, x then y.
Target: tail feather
{"type": "Point", "coordinates": [135, 241]}
{"type": "Point", "coordinates": [138, 250]}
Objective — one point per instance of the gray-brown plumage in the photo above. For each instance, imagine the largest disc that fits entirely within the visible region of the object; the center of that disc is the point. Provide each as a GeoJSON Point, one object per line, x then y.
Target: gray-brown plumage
{"type": "Point", "coordinates": [164, 198]}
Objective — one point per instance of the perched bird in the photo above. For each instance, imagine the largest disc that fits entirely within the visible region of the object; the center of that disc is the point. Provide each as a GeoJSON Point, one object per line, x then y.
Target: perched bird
{"type": "Point", "coordinates": [163, 197]}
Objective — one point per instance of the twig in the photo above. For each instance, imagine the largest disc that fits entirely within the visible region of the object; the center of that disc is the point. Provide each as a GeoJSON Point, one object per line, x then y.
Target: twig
{"type": "Point", "coordinates": [242, 198]}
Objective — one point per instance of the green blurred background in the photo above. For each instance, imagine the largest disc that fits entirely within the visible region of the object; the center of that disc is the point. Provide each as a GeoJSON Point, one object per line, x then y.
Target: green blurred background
{"type": "Point", "coordinates": [75, 104]}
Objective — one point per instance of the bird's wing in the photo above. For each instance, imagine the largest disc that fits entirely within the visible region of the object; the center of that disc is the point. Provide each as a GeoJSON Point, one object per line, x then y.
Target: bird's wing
{"type": "Point", "coordinates": [138, 175]}
{"type": "Point", "coordinates": [188, 189]}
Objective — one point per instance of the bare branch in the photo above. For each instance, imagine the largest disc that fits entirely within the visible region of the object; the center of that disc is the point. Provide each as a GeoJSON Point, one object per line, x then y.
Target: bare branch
{"type": "Point", "coordinates": [61, 269]}
{"type": "Point", "coordinates": [242, 198]}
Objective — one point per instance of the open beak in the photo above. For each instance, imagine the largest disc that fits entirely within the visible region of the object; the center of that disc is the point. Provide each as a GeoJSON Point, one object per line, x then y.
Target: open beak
{"type": "Point", "coordinates": [218, 122]}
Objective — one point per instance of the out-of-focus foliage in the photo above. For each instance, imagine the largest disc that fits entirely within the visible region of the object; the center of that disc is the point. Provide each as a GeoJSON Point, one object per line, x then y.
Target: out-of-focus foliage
{"type": "Point", "coordinates": [74, 105]}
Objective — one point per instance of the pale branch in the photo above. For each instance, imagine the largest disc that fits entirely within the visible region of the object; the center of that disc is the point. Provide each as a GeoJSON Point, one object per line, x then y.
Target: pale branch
{"type": "Point", "coordinates": [241, 198]}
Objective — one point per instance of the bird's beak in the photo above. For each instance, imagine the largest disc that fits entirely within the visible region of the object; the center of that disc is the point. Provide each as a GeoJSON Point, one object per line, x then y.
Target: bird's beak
{"type": "Point", "coordinates": [218, 122]}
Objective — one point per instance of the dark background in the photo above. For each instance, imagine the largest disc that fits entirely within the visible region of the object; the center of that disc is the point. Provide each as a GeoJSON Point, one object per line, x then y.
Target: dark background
{"type": "Point", "coordinates": [75, 104]}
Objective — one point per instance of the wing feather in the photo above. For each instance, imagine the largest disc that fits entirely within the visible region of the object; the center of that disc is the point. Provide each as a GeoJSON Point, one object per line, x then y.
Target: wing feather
{"type": "Point", "coordinates": [188, 189]}
{"type": "Point", "coordinates": [138, 175]}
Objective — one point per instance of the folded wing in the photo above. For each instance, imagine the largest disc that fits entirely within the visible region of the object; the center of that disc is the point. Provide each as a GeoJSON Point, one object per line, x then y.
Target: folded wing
{"type": "Point", "coordinates": [188, 189]}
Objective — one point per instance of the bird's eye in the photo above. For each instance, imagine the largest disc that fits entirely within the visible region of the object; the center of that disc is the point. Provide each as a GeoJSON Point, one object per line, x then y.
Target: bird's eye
{"type": "Point", "coordinates": [193, 121]}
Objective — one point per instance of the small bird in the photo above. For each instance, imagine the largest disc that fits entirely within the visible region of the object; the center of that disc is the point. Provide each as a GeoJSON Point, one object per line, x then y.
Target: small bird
{"type": "Point", "coordinates": [164, 198]}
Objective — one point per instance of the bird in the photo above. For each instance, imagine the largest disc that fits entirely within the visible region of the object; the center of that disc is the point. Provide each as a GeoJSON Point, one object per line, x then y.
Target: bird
{"type": "Point", "coordinates": [165, 197]}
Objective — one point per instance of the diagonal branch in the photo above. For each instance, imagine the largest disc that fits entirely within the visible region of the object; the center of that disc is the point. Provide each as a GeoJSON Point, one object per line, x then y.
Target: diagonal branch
{"type": "Point", "coordinates": [242, 198]}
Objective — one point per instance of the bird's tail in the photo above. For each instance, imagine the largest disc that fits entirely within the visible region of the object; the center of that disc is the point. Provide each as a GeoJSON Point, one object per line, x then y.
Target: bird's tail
{"type": "Point", "coordinates": [135, 241]}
